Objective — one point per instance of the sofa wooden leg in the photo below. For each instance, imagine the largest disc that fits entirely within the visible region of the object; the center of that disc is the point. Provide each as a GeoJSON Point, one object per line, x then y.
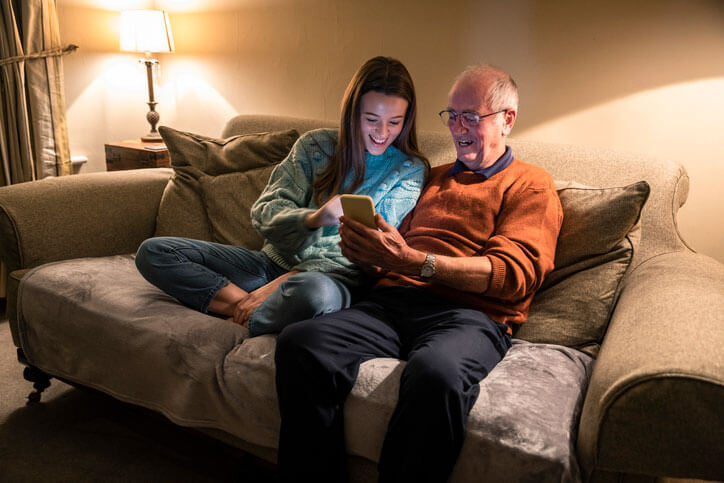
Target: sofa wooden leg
{"type": "Point", "coordinates": [40, 380]}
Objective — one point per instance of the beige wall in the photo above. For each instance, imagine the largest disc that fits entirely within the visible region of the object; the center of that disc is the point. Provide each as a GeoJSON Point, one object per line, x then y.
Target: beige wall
{"type": "Point", "coordinates": [644, 76]}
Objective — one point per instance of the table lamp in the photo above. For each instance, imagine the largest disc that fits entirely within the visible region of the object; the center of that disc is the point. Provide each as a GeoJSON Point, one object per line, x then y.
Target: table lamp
{"type": "Point", "coordinates": [147, 31]}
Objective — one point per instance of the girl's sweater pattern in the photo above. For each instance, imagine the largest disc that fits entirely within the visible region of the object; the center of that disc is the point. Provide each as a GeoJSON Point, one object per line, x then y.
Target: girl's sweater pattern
{"type": "Point", "coordinates": [393, 181]}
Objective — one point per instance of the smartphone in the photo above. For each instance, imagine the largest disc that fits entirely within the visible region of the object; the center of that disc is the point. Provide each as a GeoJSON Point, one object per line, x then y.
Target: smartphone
{"type": "Point", "coordinates": [359, 208]}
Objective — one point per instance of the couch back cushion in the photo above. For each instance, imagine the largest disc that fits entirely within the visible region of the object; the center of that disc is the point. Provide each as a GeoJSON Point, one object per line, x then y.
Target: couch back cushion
{"type": "Point", "coordinates": [598, 238]}
{"type": "Point", "coordinates": [216, 181]}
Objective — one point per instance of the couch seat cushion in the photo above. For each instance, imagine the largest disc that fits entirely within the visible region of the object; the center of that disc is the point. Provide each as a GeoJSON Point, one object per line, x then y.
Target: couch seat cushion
{"type": "Point", "coordinates": [97, 322]}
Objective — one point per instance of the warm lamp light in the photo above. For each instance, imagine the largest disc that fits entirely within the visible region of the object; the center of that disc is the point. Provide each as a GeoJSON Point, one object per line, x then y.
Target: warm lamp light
{"type": "Point", "coordinates": [147, 31]}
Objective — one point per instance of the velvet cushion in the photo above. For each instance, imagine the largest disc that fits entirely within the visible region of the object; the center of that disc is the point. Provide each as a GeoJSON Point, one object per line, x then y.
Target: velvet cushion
{"type": "Point", "coordinates": [215, 182]}
{"type": "Point", "coordinates": [599, 234]}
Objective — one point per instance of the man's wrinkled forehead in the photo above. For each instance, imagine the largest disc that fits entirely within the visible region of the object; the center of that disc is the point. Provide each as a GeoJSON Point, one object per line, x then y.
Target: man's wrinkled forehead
{"type": "Point", "coordinates": [468, 94]}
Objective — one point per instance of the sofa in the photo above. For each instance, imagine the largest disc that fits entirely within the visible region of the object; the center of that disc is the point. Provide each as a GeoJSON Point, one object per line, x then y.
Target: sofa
{"type": "Point", "coordinates": [618, 375]}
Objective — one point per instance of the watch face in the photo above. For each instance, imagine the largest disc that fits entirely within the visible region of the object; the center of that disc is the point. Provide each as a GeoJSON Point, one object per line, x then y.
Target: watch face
{"type": "Point", "coordinates": [427, 270]}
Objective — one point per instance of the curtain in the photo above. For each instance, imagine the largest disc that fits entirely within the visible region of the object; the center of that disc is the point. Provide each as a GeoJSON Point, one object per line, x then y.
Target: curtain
{"type": "Point", "coordinates": [33, 128]}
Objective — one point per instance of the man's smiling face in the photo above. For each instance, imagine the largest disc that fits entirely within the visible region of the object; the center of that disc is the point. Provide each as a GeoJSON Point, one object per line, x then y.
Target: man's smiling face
{"type": "Point", "coordinates": [477, 146]}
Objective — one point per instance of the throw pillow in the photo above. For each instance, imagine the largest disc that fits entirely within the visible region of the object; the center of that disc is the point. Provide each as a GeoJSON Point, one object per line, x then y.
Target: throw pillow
{"type": "Point", "coordinates": [600, 232]}
{"type": "Point", "coordinates": [228, 199]}
{"type": "Point", "coordinates": [190, 206]}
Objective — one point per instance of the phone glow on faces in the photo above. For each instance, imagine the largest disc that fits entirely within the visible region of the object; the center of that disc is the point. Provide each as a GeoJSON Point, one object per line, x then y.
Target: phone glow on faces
{"type": "Point", "coordinates": [381, 120]}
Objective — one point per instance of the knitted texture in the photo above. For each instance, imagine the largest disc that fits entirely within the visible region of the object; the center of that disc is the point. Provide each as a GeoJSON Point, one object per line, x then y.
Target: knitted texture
{"type": "Point", "coordinates": [392, 180]}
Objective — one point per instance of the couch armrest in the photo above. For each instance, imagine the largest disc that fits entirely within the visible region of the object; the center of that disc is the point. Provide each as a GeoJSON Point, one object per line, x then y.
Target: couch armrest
{"type": "Point", "coordinates": [83, 215]}
{"type": "Point", "coordinates": [654, 402]}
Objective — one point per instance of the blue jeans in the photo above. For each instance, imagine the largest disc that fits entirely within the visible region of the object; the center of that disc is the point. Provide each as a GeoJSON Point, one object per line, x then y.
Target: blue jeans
{"type": "Point", "coordinates": [193, 271]}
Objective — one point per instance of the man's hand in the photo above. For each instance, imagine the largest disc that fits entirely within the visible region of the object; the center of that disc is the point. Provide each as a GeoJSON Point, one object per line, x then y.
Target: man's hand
{"type": "Point", "coordinates": [378, 250]}
{"type": "Point", "coordinates": [327, 214]}
{"type": "Point", "coordinates": [385, 249]}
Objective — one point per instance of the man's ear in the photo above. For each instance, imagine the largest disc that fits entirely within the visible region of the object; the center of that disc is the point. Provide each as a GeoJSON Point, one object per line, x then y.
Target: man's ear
{"type": "Point", "coordinates": [509, 120]}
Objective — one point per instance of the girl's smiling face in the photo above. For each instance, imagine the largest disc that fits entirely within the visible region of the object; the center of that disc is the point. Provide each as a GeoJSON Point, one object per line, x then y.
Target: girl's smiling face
{"type": "Point", "coordinates": [381, 120]}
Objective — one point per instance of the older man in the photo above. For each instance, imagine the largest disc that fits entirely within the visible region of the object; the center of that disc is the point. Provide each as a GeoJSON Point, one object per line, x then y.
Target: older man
{"type": "Point", "coordinates": [461, 271]}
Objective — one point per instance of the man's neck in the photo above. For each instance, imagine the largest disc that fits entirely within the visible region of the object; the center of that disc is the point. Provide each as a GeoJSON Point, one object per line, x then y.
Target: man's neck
{"type": "Point", "coordinates": [493, 157]}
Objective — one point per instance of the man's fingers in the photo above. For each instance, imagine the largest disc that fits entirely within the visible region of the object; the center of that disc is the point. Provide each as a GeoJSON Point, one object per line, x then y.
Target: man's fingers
{"type": "Point", "coordinates": [353, 242]}
{"type": "Point", "coordinates": [353, 225]}
{"type": "Point", "coordinates": [350, 237]}
{"type": "Point", "coordinates": [348, 250]}
{"type": "Point", "coordinates": [353, 249]}
{"type": "Point", "coordinates": [382, 223]}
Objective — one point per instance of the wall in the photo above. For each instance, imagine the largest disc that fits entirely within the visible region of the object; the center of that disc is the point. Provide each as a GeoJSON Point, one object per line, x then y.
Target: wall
{"type": "Point", "coordinates": [644, 76]}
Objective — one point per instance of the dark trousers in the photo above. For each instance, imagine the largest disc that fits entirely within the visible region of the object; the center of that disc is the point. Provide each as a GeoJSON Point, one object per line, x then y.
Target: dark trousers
{"type": "Point", "coordinates": [448, 351]}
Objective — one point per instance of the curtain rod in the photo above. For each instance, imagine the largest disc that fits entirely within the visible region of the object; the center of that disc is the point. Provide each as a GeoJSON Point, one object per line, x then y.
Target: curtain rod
{"type": "Point", "coordinates": [39, 55]}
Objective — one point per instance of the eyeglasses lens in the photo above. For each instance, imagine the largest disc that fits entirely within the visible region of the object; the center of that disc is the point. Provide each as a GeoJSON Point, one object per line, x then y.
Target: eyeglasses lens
{"type": "Point", "coordinates": [466, 118]}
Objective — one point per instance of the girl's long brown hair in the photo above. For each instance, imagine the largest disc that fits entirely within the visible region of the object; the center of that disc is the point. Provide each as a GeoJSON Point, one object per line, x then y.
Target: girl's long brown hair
{"type": "Point", "coordinates": [380, 74]}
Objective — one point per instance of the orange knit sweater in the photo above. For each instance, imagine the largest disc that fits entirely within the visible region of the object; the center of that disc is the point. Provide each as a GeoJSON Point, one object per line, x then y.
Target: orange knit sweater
{"type": "Point", "coordinates": [513, 218]}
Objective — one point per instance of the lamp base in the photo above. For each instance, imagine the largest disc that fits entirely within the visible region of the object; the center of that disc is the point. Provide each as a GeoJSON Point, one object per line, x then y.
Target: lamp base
{"type": "Point", "coordinates": [151, 116]}
{"type": "Point", "coordinates": [152, 137]}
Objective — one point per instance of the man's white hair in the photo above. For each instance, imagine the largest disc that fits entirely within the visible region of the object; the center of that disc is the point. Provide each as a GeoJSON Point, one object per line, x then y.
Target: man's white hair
{"type": "Point", "coordinates": [502, 92]}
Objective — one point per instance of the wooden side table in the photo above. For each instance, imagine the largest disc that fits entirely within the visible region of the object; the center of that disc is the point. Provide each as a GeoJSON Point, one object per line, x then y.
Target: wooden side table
{"type": "Point", "coordinates": [135, 154]}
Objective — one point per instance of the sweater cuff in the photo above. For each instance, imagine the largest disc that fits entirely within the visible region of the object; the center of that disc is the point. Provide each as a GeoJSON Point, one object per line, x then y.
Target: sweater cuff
{"type": "Point", "coordinates": [301, 215]}
{"type": "Point", "coordinates": [288, 233]}
{"type": "Point", "coordinates": [270, 251]}
{"type": "Point", "coordinates": [497, 276]}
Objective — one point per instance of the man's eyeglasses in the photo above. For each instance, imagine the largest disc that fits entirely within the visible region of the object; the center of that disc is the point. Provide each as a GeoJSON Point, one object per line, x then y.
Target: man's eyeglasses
{"type": "Point", "coordinates": [469, 119]}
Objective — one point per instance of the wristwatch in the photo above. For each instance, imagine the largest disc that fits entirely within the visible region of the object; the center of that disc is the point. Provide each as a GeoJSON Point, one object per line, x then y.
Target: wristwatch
{"type": "Point", "coordinates": [427, 269]}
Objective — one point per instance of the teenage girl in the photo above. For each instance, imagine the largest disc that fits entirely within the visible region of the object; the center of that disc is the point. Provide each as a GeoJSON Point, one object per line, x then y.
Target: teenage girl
{"type": "Point", "coordinates": [300, 271]}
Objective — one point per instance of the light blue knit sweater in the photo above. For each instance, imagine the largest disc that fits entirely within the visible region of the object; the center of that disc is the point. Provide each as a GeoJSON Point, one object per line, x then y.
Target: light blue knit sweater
{"type": "Point", "coordinates": [392, 179]}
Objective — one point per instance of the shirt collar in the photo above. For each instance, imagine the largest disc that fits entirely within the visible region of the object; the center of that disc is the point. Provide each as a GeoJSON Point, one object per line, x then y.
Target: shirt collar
{"type": "Point", "coordinates": [498, 166]}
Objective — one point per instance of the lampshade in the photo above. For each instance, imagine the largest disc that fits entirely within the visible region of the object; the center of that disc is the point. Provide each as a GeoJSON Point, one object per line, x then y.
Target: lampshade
{"type": "Point", "coordinates": [145, 31]}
